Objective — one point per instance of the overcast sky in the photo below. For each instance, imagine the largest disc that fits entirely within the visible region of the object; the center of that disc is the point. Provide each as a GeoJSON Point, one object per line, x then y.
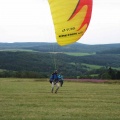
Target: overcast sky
{"type": "Point", "coordinates": [30, 21]}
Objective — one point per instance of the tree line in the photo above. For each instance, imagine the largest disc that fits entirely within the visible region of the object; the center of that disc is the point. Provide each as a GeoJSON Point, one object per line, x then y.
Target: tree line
{"type": "Point", "coordinates": [48, 47]}
{"type": "Point", "coordinates": [39, 64]}
{"type": "Point", "coordinates": [102, 73]}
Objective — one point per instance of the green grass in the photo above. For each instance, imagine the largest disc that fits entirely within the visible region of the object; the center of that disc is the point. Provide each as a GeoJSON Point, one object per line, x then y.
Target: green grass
{"type": "Point", "coordinates": [96, 66]}
{"type": "Point", "coordinates": [1, 70]}
{"type": "Point", "coordinates": [78, 54]}
{"type": "Point", "coordinates": [92, 66]}
{"type": "Point", "coordinates": [30, 99]}
{"type": "Point", "coordinates": [18, 50]}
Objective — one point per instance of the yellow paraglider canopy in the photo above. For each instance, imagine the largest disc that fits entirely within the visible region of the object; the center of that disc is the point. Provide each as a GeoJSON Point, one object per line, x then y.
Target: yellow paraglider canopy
{"type": "Point", "coordinates": [71, 19]}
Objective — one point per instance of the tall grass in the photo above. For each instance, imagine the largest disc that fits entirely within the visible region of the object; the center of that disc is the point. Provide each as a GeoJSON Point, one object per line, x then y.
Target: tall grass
{"type": "Point", "coordinates": [30, 99]}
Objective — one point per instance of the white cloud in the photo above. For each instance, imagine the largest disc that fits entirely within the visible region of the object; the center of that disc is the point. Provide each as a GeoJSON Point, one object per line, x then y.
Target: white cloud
{"type": "Point", "coordinates": [105, 23]}
{"type": "Point", "coordinates": [30, 20]}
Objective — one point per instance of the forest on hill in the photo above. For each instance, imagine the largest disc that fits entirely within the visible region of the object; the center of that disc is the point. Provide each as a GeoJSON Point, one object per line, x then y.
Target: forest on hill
{"type": "Point", "coordinates": [51, 47]}
{"type": "Point", "coordinates": [40, 60]}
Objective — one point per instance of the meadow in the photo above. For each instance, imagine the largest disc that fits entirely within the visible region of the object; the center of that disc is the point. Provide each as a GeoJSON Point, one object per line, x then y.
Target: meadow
{"type": "Point", "coordinates": [31, 99]}
{"type": "Point", "coordinates": [78, 53]}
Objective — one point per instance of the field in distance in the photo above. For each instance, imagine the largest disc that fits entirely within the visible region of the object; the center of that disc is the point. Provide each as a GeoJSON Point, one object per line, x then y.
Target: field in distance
{"type": "Point", "coordinates": [78, 53]}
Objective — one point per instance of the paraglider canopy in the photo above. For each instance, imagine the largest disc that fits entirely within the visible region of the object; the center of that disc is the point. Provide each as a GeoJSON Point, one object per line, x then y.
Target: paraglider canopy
{"type": "Point", "coordinates": [71, 19]}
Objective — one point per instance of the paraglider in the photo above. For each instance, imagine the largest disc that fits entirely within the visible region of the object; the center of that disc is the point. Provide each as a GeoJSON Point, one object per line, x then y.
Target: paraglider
{"type": "Point", "coordinates": [71, 19]}
{"type": "Point", "coordinates": [54, 81]}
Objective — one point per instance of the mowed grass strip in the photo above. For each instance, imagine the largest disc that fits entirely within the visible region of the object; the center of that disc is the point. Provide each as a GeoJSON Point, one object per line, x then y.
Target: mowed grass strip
{"type": "Point", "coordinates": [31, 99]}
{"type": "Point", "coordinates": [78, 54]}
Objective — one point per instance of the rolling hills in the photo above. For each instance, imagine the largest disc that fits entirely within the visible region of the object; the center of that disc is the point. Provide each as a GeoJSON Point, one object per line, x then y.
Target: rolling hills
{"type": "Point", "coordinates": [48, 47]}
{"type": "Point", "coordinates": [40, 59]}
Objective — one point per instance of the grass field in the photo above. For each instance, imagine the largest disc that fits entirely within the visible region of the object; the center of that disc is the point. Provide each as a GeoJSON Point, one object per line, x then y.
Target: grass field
{"type": "Point", "coordinates": [79, 54]}
{"type": "Point", "coordinates": [30, 99]}
{"type": "Point", "coordinates": [18, 50]}
{"type": "Point", "coordinates": [92, 66]}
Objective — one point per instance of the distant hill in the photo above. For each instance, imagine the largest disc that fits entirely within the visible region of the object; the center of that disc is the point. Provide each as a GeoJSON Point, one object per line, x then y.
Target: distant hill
{"type": "Point", "coordinates": [42, 58]}
{"type": "Point", "coordinates": [53, 47]}
{"type": "Point", "coordinates": [18, 45]}
{"type": "Point", "coordinates": [45, 63]}
{"type": "Point", "coordinates": [111, 51]}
